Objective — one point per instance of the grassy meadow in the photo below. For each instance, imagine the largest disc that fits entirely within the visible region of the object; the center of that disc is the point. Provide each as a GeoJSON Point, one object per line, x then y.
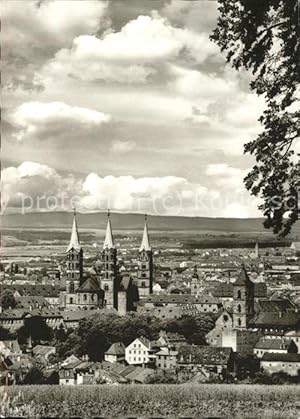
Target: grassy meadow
{"type": "Point", "coordinates": [203, 400]}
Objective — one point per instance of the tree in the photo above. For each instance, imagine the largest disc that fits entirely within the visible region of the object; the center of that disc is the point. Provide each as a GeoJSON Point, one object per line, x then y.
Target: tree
{"type": "Point", "coordinates": [37, 328]}
{"type": "Point", "coordinates": [193, 328]}
{"type": "Point", "coordinates": [96, 333]}
{"type": "Point", "coordinates": [34, 376]}
{"type": "Point", "coordinates": [4, 333]}
{"type": "Point", "coordinates": [7, 300]}
{"type": "Point", "coordinates": [263, 36]}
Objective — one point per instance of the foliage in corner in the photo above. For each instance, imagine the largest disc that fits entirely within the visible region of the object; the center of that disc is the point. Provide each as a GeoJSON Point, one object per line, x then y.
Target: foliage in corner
{"type": "Point", "coordinates": [263, 36]}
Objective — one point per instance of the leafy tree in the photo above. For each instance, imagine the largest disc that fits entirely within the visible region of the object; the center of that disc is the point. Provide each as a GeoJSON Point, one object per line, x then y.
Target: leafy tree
{"type": "Point", "coordinates": [96, 333]}
{"type": "Point", "coordinates": [4, 333]}
{"type": "Point", "coordinates": [263, 36]}
{"type": "Point", "coordinates": [193, 328]}
{"type": "Point", "coordinates": [7, 300]}
{"type": "Point", "coordinates": [37, 328]}
{"type": "Point", "coordinates": [34, 376]}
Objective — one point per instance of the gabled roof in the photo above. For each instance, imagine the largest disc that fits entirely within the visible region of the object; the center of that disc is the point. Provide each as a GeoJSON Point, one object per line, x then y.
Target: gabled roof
{"type": "Point", "coordinates": [108, 241]}
{"type": "Point", "coordinates": [117, 348]}
{"type": "Point", "coordinates": [266, 319]}
{"type": "Point", "coordinates": [275, 306]}
{"type": "Point", "coordinates": [275, 344]}
{"type": "Point", "coordinates": [74, 241]}
{"type": "Point", "coordinates": [89, 285]}
{"type": "Point", "coordinates": [42, 350]}
{"type": "Point", "coordinates": [145, 245]}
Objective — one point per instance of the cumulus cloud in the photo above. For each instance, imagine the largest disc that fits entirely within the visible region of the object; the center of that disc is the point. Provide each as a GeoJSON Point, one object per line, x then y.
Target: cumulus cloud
{"type": "Point", "coordinates": [130, 55]}
{"type": "Point", "coordinates": [37, 186]}
{"type": "Point", "coordinates": [33, 30]}
{"type": "Point", "coordinates": [41, 119]}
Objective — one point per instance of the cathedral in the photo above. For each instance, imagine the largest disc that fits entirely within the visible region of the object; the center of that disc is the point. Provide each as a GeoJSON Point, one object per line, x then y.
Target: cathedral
{"type": "Point", "coordinates": [115, 288]}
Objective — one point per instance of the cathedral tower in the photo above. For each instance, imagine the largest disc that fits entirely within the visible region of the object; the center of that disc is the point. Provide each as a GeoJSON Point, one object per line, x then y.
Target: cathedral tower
{"type": "Point", "coordinates": [145, 264]}
{"type": "Point", "coordinates": [243, 300]}
{"type": "Point", "coordinates": [109, 268]}
{"type": "Point", "coordinates": [74, 266]}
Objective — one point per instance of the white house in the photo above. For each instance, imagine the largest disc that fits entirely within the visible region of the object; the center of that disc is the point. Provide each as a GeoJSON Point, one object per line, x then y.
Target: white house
{"type": "Point", "coordinates": [139, 352]}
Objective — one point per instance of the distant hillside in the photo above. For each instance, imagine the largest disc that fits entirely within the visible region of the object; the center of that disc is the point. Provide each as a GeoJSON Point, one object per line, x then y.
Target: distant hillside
{"type": "Point", "coordinates": [135, 222]}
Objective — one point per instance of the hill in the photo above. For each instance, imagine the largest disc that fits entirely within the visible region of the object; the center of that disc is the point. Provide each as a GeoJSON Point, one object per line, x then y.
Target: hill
{"type": "Point", "coordinates": [123, 221]}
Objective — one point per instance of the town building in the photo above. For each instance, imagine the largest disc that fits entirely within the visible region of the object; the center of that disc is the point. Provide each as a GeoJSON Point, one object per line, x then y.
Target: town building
{"type": "Point", "coordinates": [207, 360]}
{"type": "Point", "coordinates": [276, 362]}
{"type": "Point", "coordinates": [140, 352]}
{"type": "Point", "coordinates": [115, 353]}
{"type": "Point", "coordinates": [243, 300]}
{"type": "Point", "coordinates": [145, 265]}
{"type": "Point", "coordinates": [279, 346]}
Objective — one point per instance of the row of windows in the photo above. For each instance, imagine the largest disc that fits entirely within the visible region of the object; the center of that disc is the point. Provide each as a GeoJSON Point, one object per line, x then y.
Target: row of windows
{"type": "Point", "coordinates": [137, 359]}
{"type": "Point", "coordinates": [131, 351]}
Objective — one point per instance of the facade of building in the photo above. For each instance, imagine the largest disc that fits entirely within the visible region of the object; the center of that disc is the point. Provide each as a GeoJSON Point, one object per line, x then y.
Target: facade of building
{"type": "Point", "coordinates": [139, 352]}
{"type": "Point", "coordinates": [115, 353]}
{"type": "Point", "coordinates": [288, 363]}
{"type": "Point", "coordinates": [243, 300]}
{"type": "Point", "coordinates": [115, 289]}
{"type": "Point", "coordinates": [278, 346]}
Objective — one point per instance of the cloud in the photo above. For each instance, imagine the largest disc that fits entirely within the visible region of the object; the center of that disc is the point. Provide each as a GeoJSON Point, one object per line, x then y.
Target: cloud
{"type": "Point", "coordinates": [123, 147]}
{"type": "Point", "coordinates": [37, 119]}
{"type": "Point", "coordinates": [130, 55]}
{"type": "Point", "coordinates": [198, 15]}
{"type": "Point", "coordinates": [33, 30]}
{"type": "Point", "coordinates": [37, 186]}
{"type": "Point", "coordinates": [226, 176]}
{"type": "Point", "coordinates": [40, 187]}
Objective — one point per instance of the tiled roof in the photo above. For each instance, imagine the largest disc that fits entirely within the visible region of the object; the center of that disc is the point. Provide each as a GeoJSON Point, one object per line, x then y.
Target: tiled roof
{"type": "Point", "coordinates": [117, 348]}
{"type": "Point", "coordinates": [281, 357]}
{"type": "Point", "coordinates": [35, 290]}
{"type": "Point", "coordinates": [277, 344]}
{"type": "Point", "coordinates": [21, 313]}
{"type": "Point", "coordinates": [180, 299]}
{"type": "Point", "coordinates": [266, 319]}
{"type": "Point", "coordinates": [208, 355]}
{"type": "Point", "coordinates": [225, 290]}
{"type": "Point", "coordinates": [274, 306]}
{"type": "Point", "coordinates": [34, 301]}
{"type": "Point", "coordinates": [76, 315]}
{"type": "Point", "coordinates": [42, 350]}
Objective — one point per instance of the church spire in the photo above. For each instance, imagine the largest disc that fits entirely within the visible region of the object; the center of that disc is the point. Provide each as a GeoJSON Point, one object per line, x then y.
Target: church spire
{"type": "Point", "coordinates": [74, 242]}
{"type": "Point", "coordinates": [145, 240]}
{"type": "Point", "coordinates": [108, 241]}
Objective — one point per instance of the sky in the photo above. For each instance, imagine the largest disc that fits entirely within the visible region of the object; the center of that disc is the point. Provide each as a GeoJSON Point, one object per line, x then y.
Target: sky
{"type": "Point", "coordinates": [123, 105]}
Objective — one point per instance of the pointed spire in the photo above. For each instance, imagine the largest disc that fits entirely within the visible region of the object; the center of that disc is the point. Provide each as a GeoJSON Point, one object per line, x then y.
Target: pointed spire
{"type": "Point", "coordinates": [243, 278]}
{"type": "Point", "coordinates": [74, 242]}
{"type": "Point", "coordinates": [108, 241]}
{"type": "Point", "coordinates": [145, 240]}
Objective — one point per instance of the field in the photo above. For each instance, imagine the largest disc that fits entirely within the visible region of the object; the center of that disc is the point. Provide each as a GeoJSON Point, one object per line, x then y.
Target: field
{"type": "Point", "coordinates": [223, 401]}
